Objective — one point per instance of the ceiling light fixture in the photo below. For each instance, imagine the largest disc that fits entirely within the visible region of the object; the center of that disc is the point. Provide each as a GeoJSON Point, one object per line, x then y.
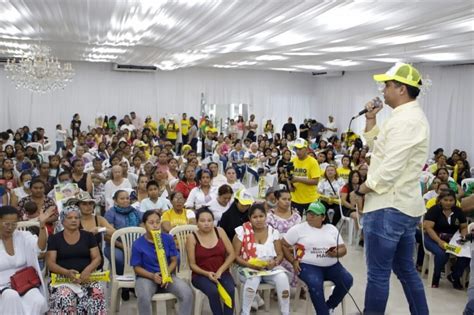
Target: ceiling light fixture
{"type": "Point", "coordinates": [270, 57]}
{"type": "Point", "coordinates": [440, 57]}
{"type": "Point", "coordinates": [344, 49]}
{"type": "Point", "coordinates": [342, 63]}
{"type": "Point", "coordinates": [39, 71]}
{"type": "Point", "coordinates": [311, 67]}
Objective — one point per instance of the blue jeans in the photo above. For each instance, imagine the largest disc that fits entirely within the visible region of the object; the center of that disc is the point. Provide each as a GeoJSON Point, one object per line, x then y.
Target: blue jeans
{"type": "Point", "coordinates": [469, 310]}
{"type": "Point", "coordinates": [119, 259]}
{"type": "Point", "coordinates": [314, 277]}
{"type": "Point", "coordinates": [240, 170]}
{"type": "Point", "coordinates": [441, 258]}
{"type": "Point", "coordinates": [59, 146]}
{"type": "Point", "coordinates": [389, 237]}
{"type": "Point", "coordinates": [209, 288]}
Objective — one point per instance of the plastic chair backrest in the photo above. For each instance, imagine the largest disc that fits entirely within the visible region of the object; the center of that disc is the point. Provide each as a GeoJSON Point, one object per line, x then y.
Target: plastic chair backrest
{"type": "Point", "coordinates": [127, 236]}
{"type": "Point", "coordinates": [180, 234]}
{"type": "Point", "coordinates": [24, 225]}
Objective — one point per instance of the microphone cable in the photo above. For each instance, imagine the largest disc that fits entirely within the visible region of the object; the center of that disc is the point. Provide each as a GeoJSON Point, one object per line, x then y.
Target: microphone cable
{"type": "Point", "coordinates": [337, 246]}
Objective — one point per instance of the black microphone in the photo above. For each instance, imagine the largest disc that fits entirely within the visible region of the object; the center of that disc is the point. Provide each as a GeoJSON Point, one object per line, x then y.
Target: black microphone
{"type": "Point", "coordinates": [377, 104]}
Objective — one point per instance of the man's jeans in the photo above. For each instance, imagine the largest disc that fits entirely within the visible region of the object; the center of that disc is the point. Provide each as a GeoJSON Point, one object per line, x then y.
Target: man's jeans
{"type": "Point", "coordinates": [469, 310]}
{"type": "Point", "coordinates": [389, 237]}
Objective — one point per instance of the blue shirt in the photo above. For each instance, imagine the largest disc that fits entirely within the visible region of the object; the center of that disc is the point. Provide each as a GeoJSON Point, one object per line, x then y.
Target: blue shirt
{"type": "Point", "coordinates": [144, 253]}
{"type": "Point", "coordinates": [117, 220]}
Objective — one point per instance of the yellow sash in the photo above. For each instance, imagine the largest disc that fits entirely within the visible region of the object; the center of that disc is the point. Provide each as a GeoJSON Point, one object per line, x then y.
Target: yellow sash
{"type": "Point", "coordinates": [160, 253]}
{"type": "Point", "coordinates": [103, 276]}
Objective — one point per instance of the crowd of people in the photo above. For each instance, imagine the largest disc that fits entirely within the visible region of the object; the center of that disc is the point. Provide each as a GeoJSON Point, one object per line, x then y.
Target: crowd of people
{"type": "Point", "coordinates": [254, 196]}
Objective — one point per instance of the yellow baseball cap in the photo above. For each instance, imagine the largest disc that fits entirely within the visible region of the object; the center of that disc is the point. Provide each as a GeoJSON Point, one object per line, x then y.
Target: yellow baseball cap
{"type": "Point", "coordinates": [403, 73]}
{"type": "Point", "coordinates": [244, 197]}
{"type": "Point", "coordinates": [301, 143]}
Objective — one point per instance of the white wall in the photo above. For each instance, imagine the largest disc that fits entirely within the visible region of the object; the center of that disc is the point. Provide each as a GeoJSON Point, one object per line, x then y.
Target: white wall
{"type": "Point", "coordinates": [277, 95]}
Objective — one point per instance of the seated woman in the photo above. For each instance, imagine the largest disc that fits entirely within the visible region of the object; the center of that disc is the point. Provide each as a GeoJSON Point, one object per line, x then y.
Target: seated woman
{"type": "Point", "coordinates": [344, 170]}
{"type": "Point", "coordinates": [329, 187]}
{"type": "Point", "coordinates": [318, 247]}
{"type": "Point", "coordinates": [232, 181]}
{"type": "Point", "coordinates": [349, 205]}
{"type": "Point", "coordinates": [443, 174]}
{"type": "Point", "coordinates": [257, 240]}
{"type": "Point", "coordinates": [42, 202]}
{"type": "Point", "coordinates": [121, 215]}
{"type": "Point", "coordinates": [149, 274]}
{"type": "Point", "coordinates": [203, 193]}
{"type": "Point", "coordinates": [222, 203]}
{"type": "Point", "coordinates": [93, 223]}
{"type": "Point", "coordinates": [115, 183]}
{"type": "Point", "coordinates": [178, 215]}
{"type": "Point", "coordinates": [282, 218]}
{"type": "Point", "coordinates": [217, 179]}
{"type": "Point", "coordinates": [210, 254]}
{"type": "Point", "coordinates": [74, 253]}
{"type": "Point", "coordinates": [20, 249]}
{"type": "Point", "coordinates": [185, 185]}
{"type": "Point", "coordinates": [441, 222]}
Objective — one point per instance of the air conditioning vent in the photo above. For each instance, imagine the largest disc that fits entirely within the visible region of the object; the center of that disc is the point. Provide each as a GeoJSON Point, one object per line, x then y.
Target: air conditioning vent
{"type": "Point", "coordinates": [134, 68]}
{"type": "Point", "coordinates": [328, 74]}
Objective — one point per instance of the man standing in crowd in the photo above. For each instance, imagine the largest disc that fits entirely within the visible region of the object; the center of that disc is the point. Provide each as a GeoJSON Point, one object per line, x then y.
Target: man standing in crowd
{"type": "Point", "coordinates": [304, 129]}
{"type": "Point", "coordinates": [136, 121]}
{"type": "Point", "coordinates": [330, 130]}
{"type": "Point", "coordinates": [252, 128]}
{"type": "Point", "coordinates": [304, 177]}
{"type": "Point", "coordinates": [467, 205]}
{"type": "Point", "coordinates": [393, 202]}
{"type": "Point", "coordinates": [184, 129]}
{"type": "Point", "coordinates": [172, 130]}
{"type": "Point", "coordinates": [289, 129]}
{"type": "Point", "coordinates": [317, 129]}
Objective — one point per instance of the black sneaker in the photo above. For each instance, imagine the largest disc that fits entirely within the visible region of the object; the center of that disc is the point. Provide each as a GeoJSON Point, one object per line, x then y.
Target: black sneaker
{"type": "Point", "coordinates": [361, 243]}
{"type": "Point", "coordinates": [456, 282]}
{"type": "Point", "coordinates": [125, 294]}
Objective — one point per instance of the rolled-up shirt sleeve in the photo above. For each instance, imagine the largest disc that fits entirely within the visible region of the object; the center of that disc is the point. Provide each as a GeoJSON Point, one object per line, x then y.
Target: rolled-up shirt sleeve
{"type": "Point", "coordinates": [400, 141]}
{"type": "Point", "coordinates": [370, 136]}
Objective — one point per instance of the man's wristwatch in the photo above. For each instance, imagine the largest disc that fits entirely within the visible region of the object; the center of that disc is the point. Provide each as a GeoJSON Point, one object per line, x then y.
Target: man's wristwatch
{"type": "Point", "coordinates": [358, 193]}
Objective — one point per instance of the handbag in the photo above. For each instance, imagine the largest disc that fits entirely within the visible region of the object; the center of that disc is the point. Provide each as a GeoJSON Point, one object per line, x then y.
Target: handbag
{"type": "Point", "coordinates": [24, 280]}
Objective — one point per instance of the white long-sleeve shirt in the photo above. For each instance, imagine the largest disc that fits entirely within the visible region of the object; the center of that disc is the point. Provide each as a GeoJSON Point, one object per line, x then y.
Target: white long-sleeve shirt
{"type": "Point", "coordinates": [197, 198]}
{"type": "Point", "coordinates": [399, 151]}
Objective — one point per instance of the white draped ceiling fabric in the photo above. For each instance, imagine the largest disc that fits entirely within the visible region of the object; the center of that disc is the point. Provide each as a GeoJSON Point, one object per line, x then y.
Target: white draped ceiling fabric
{"type": "Point", "coordinates": [269, 49]}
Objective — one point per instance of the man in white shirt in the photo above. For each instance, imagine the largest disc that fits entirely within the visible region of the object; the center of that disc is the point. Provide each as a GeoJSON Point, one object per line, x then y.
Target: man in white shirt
{"type": "Point", "coordinates": [393, 201]}
{"type": "Point", "coordinates": [137, 122]}
{"type": "Point", "coordinates": [330, 130]}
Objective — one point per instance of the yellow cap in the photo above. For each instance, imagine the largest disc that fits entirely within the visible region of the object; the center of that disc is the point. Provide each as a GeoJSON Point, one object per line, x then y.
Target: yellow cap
{"type": "Point", "coordinates": [403, 73]}
{"type": "Point", "coordinates": [301, 143]}
{"type": "Point", "coordinates": [244, 197]}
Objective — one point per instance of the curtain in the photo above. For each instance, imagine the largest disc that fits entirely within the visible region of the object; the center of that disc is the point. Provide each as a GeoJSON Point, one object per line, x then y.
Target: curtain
{"type": "Point", "coordinates": [274, 95]}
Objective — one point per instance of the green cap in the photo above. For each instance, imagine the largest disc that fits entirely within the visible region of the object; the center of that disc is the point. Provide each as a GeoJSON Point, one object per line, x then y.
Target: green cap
{"type": "Point", "coordinates": [317, 208]}
{"type": "Point", "coordinates": [403, 73]}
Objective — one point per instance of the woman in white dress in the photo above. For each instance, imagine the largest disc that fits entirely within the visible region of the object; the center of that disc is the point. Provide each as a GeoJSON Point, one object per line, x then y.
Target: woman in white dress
{"type": "Point", "coordinates": [20, 249]}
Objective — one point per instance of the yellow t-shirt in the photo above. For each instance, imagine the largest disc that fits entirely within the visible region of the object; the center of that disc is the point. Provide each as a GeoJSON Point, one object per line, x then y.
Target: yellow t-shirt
{"type": "Point", "coordinates": [344, 173]}
{"type": "Point", "coordinates": [176, 219]}
{"type": "Point", "coordinates": [184, 127]}
{"type": "Point", "coordinates": [308, 168]}
{"type": "Point", "coordinates": [432, 202]}
{"type": "Point", "coordinates": [172, 131]}
{"type": "Point", "coordinates": [152, 126]}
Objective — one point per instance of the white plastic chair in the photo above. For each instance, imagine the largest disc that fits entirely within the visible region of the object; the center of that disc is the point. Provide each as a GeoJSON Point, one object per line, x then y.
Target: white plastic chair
{"type": "Point", "coordinates": [307, 303]}
{"type": "Point", "coordinates": [127, 236]}
{"type": "Point", "coordinates": [38, 146]}
{"type": "Point", "coordinates": [45, 155]}
{"type": "Point", "coordinates": [24, 225]}
{"type": "Point", "coordinates": [180, 234]}
{"type": "Point", "coordinates": [349, 223]}
{"type": "Point", "coordinates": [472, 171]}
{"type": "Point", "coordinates": [428, 260]}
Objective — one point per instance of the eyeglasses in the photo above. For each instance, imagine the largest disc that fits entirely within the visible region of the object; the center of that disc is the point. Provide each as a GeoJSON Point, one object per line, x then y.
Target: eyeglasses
{"type": "Point", "coordinates": [10, 225]}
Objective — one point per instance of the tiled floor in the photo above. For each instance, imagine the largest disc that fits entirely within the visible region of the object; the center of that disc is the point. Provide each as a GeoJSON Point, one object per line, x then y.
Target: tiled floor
{"type": "Point", "coordinates": [442, 301]}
